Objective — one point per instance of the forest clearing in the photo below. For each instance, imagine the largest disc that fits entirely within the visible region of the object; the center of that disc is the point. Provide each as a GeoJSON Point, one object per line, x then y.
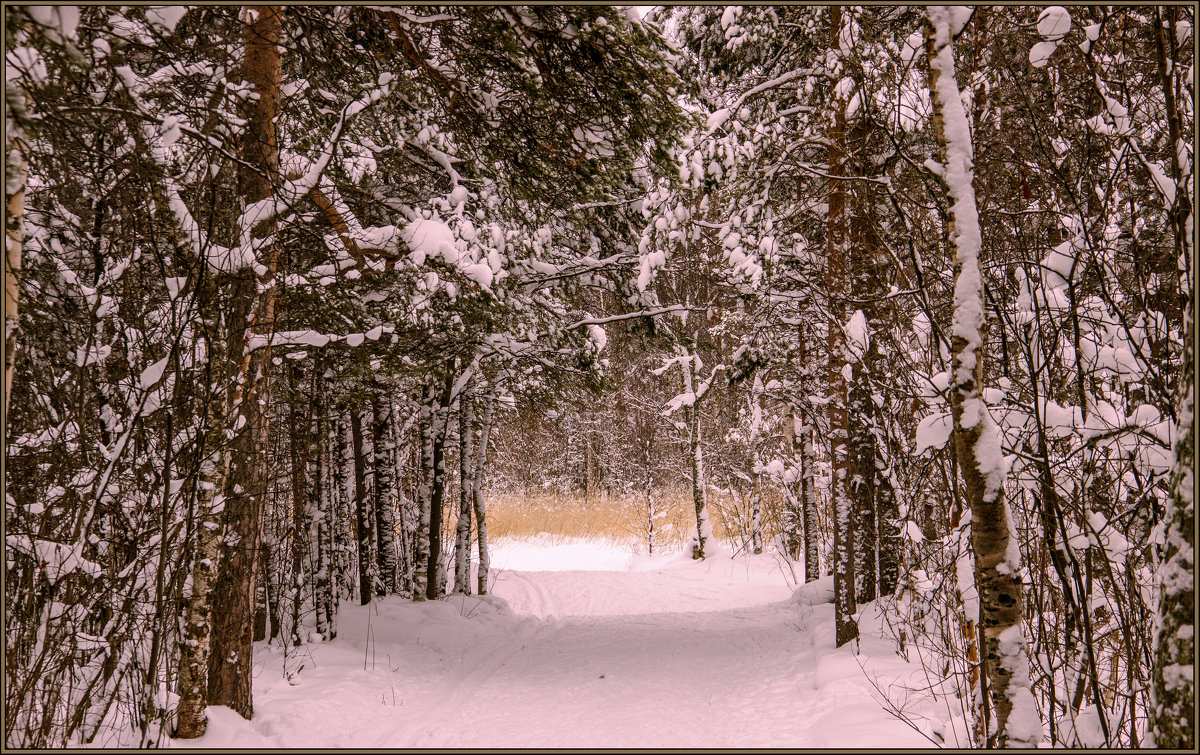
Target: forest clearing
{"type": "Point", "coordinates": [569, 375]}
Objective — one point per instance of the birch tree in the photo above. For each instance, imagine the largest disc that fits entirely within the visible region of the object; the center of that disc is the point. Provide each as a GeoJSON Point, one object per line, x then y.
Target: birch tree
{"type": "Point", "coordinates": [976, 437]}
{"type": "Point", "coordinates": [466, 489]}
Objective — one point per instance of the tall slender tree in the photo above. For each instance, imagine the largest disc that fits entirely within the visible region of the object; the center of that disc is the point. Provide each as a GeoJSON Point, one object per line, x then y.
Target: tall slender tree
{"type": "Point", "coordinates": [976, 437]}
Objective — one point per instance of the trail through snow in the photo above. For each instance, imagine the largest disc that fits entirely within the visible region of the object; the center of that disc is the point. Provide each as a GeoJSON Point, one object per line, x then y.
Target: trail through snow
{"type": "Point", "coordinates": [642, 652]}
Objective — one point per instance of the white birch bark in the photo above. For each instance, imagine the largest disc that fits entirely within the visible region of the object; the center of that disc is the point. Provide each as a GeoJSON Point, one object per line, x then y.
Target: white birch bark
{"type": "Point", "coordinates": [977, 439]}
{"type": "Point", "coordinates": [480, 503]}
{"type": "Point", "coordinates": [466, 489]}
{"type": "Point", "coordinates": [14, 228]}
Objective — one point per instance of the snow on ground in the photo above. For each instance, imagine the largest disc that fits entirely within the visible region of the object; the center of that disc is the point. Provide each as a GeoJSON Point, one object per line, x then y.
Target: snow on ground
{"type": "Point", "coordinates": [585, 644]}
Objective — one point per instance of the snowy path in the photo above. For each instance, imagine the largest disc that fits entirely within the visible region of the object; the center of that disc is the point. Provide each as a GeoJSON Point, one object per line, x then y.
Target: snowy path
{"type": "Point", "coordinates": [666, 654]}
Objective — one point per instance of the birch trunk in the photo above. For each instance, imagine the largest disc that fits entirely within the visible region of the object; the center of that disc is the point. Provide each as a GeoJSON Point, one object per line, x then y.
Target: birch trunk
{"type": "Point", "coordinates": [436, 585]}
{"type": "Point", "coordinates": [887, 512]}
{"type": "Point", "coordinates": [466, 490]}
{"type": "Point", "coordinates": [808, 487]}
{"type": "Point", "coordinates": [976, 437]}
{"type": "Point", "coordinates": [480, 503]}
{"type": "Point", "coordinates": [343, 507]}
{"type": "Point", "coordinates": [861, 468]}
{"type": "Point", "coordinates": [692, 417]}
{"type": "Point", "coordinates": [192, 720]}
{"type": "Point", "coordinates": [792, 537]}
{"type": "Point", "coordinates": [407, 493]}
{"type": "Point", "coordinates": [485, 432]}
{"type": "Point", "coordinates": [14, 227]}
{"type": "Point", "coordinates": [808, 481]}
{"type": "Point", "coordinates": [1173, 701]}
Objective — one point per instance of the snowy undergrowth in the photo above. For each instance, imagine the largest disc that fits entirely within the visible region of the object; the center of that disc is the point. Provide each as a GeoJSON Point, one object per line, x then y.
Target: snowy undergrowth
{"type": "Point", "coordinates": [587, 644]}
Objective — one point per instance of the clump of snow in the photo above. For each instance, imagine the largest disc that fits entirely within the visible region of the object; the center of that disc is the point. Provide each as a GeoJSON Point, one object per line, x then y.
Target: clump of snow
{"type": "Point", "coordinates": [165, 16]}
{"type": "Point", "coordinates": [27, 61]}
{"type": "Point", "coordinates": [718, 118]}
{"type": "Point", "coordinates": [933, 432]}
{"type": "Point", "coordinates": [458, 195]}
{"type": "Point", "coordinates": [174, 286]}
{"type": "Point", "coordinates": [152, 374]}
{"type": "Point", "coordinates": [481, 274]}
{"type": "Point", "coordinates": [960, 15]}
{"type": "Point", "coordinates": [430, 238]}
{"type": "Point", "coordinates": [1039, 54]}
{"type": "Point", "coordinates": [598, 337]}
{"type": "Point", "coordinates": [914, 45]}
{"type": "Point", "coordinates": [1054, 23]}
{"type": "Point", "coordinates": [857, 337]}
{"type": "Point", "coordinates": [56, 560]}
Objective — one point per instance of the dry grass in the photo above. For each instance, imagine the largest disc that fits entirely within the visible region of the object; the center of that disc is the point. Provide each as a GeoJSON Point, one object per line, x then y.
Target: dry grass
{"type": "Point", "coordinates": [612, 517]}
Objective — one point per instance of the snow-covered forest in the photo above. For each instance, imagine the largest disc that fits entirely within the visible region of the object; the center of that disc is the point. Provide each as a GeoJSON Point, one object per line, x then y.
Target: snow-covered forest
{"type": "Point", "coordinates": [345, 346]}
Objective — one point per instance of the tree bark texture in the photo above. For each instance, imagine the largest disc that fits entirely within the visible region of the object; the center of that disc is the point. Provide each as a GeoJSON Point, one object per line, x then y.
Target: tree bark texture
{"type": "Point", "coordinates": [385, 502]}
{"type": "Point", "coordinates": [441, 418]}
{"type": "Point", "coordinates": [253, 312]}
{"type": "Point", "coordinates": [364, 506]}
{"type": "Point", "coordinates": [976, 438]}
{"type": "Point", "coordinates": [300, 434]}
{"type": "Point", "coordinates": [14, 227]}
{"type": "Point", "coordinates": [846, 629]}
{"type": "Point", "coordinates": [466, 490]}
{"type": "Point", "coordinates": [479, 502]}
{"type": "Point", "coordinates": [1174, 692]}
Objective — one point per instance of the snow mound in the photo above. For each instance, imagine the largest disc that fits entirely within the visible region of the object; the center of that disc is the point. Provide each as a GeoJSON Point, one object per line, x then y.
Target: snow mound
{"type": "Point", "coordinates": [814, 593]}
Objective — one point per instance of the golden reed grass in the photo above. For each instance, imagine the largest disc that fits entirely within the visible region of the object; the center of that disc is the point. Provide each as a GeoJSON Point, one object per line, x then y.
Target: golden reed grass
{"type": "Point", "coordinates": [554, 516]}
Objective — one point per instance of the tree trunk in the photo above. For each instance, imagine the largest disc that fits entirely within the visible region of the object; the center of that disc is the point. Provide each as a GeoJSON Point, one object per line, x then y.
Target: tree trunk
{"type": "Point", "coordinates": [808, 482]}
{"type": "Point", "coordinates": [485, 432]}
{"type": "Point", "coordinates": [887, 512]}
{"type": "Point", "coordinates": [976, 437]}
{"type": "Point", "coordinates": [385, 506]}
{"type": "Point", "coordinates": [1174, 686]}
{"type": "Point", "coordinates": [421, 572]}
{"type": "Point", "coordinates": [466, 490]}
{"type": "Point", "coordinates": [867, 281]}
{"type": "Point", "coordinates": [836, 240]}
{"type": "Point", "coordinates": [434, 588]}
{"type": "Point", "coordinates": [323, 592]}
{"type": "Point", "coordinates": [792, 537]}
{"type": "Point", "coordinates": [805, 438]}
{"type": "Point", "coordinates": [406, 496]}
{"type": "Point", "coordinates": [266, 618]}
{"type": "Point", "coordinates": [14, 226]}
{"type": "Point", "coordinates": [342, 506]}
{"type": "Point", "coordinates": [692, 418]}
{"type": "Point", "coordinates": [230, 665]}
{"type": "Point", "coordinates": [301, 446]}
{"type": "Point", "coordinates": [756, 513]}
{"type": "Point", "coordinates": [364, 506]}
{"type": "Point", "coordinates": [861, 466]}
{"type": "Point", "coordinates": [192, 720]}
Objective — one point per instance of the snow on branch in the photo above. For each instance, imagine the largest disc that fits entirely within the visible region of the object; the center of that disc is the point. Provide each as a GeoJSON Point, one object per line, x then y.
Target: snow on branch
{"type": "Point", "coordinates": [632, 315]}
{"type": "Point", "coordinates": [718, 118]}
{"type": "Point", "coordinates": [312, 338]}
